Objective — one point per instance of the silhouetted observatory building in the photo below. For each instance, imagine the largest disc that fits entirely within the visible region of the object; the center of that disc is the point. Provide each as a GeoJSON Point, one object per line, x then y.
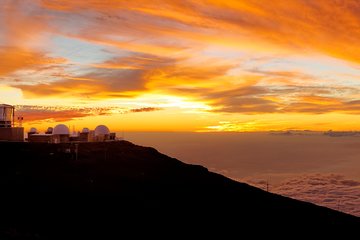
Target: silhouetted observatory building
{"type": "Point", "coordinates": [61, 134]}
{"type": "Point", "coordinates": [8, 130]}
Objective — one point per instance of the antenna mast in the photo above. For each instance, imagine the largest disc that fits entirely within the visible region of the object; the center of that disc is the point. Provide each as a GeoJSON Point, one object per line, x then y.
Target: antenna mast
{"type": "Point", "coordinates": [20, 119]}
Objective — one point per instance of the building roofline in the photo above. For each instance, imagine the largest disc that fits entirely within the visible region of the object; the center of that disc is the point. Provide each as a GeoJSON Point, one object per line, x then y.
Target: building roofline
{"type": "Point", "coordinates": [6, 105]}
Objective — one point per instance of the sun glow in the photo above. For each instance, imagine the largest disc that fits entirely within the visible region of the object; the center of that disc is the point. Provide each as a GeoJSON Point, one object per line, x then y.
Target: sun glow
{"type": "Point", "coordinates": [215, 65]}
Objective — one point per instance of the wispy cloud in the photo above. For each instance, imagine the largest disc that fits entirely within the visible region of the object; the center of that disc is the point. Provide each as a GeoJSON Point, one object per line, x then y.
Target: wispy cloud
{"type": "Point", "coordinates": [14, 59]}
{"type": "Point", "coordinates": [299, 25]}
{"type": "Point", "coordinates": [144, 109]}
{"type": "Point", "coordinates": [61, 113]}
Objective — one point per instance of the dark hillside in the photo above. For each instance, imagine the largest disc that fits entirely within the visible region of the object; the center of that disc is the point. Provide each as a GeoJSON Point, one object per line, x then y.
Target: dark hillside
{"type": "Point", "coordinates": [48, 191]}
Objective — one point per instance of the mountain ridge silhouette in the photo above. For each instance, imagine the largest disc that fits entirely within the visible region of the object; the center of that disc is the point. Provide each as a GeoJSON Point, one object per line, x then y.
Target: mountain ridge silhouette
{"type": "Point", "coordinates": [109, 186]}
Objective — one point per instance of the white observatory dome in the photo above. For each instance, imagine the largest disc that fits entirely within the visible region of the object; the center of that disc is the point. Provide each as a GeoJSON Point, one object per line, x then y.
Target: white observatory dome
{"type": "Point", "coordinates": [61, 129]}
{"type": "Point", "coordinates": [33, 130]}
{"type": "Point", "coordinates": [101, 130]}
{"type": "Point", "coordinates": [85, 130]}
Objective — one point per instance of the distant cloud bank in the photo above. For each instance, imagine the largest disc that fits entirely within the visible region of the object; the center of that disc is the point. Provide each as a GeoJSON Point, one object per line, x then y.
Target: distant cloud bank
{"type": "Point", "coordinates": [329, 190]}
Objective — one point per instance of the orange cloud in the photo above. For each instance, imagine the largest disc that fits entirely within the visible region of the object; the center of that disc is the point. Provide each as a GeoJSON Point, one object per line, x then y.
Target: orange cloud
{"type": "Point", "coordinates": [32, 113]}
{"type": "Point", "coordinates": [14, 59]}
{"type": "Point", "coordinates": [104, 80]}
{"type": "Point", "coordinates": [22, 28]}
{"type": "Point", "coordinates": [127, 77]}
{"type": "Point", "coordinates": [297, 25]}
{"type": "Point", "coordinates": [22, 37]}
{"type": "Point", "coordinates": [96, 87]}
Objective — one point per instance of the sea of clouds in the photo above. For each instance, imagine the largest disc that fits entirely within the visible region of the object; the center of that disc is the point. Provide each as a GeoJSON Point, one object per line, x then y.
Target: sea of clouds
{"type": "Point", "coordinates": [329, 190]}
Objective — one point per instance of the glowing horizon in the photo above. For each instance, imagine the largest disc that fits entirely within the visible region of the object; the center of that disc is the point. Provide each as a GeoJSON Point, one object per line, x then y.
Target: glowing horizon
{"type": "Point", "coordinates": [182, 65]}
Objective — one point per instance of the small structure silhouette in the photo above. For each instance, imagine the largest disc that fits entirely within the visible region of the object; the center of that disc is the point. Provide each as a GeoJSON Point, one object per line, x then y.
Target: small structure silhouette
{"type": "Point", "coordinates": [59, 134]}
{"type": "Point", "coordinates": [8, 130]}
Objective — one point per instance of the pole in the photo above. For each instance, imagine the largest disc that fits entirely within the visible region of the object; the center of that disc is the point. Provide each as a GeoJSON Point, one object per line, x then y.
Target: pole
{"type": "Point", "coordinates": [13, 117]}
{"type": "Point", "coordinates": [76, 151]}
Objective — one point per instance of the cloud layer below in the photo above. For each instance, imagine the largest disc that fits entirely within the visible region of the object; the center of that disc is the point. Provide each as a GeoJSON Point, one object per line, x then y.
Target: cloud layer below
{"type": "Point", "coordinates": [329, 190]}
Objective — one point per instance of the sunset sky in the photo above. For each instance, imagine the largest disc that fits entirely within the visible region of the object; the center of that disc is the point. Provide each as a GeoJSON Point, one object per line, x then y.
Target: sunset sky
{"type": "Point", "coordinates": [182, 65]}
